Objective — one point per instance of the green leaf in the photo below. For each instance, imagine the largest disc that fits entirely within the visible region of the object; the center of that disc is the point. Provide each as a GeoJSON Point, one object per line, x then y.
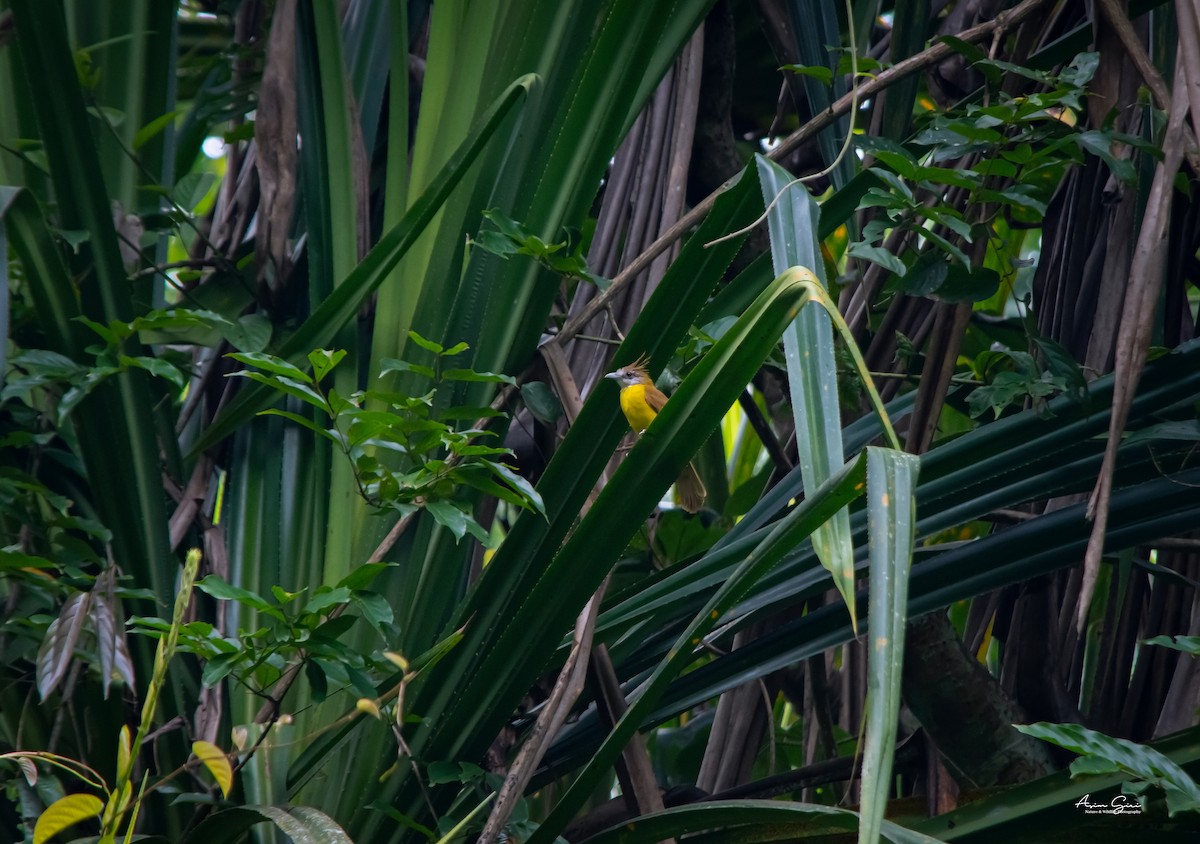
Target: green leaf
{"type": "Point", "coordinates": [542, 402]}
{"type": "Point", "coordinates": [218, 667]}
{"type": "Point", "coordinates": [428, 345]}
{"type": "Point", "coordinates": [327, 597]}
{"type": "Point", "coordinates": [217, 763]}
{"type": "Point", "coordinates": [192, 188]}
{"type": "Point", "coordinates": [389, 365]}
{"type": "Point", "coordinates": [1187, 644]}
{"type": "Point", "coordinates": [1136, 759]}
{"type": "Point", "coordinates": [518, 483]}
{"type": "Point", "coordinates": [158, 367]}
{"type": "Point", "coordinates": [272, 364]}
{"type": "Point", "coordinates": [442, 772]}
{"type": "Point", "coordinates": [961, 284]}
{"type": "Point", "coordinates": [877, 255]}
{"type": "Point", "coordinates": [800, 522]}
{"type": "Point", "coordinates": [449, 516]}
{"type": "Point", "coordinates": [304, 422]}
{"type": "Point", "coordinates": [819, 72]}
{"type": "Point", "coordinates": [472, 375]}
{"type": "Point", "coordinates": [892, 154]}
{"type": "Point", "coordinates": [153, 128]}
{"type": "Point", "coordinates": [219, 589]}
{"type": "Point", "coordinates": [288, 386]}
{"type": "Point", "coordinates": [891, 518]}
{"type": "Point", "coordinates": [375, 608]}
{"type": "Point", "coordinates": [364, 575]}
{"type": "Point", "coordinates": [323, 361]}
{"type": "Point", "coordinates": [250, 333]}
{"type": "Point", "coordinates": [17, 560]}
{"type": "Point", "coordinates": [812, 370]}
{"type": "Point", "coordinates": [749, 820]}
{"type": "Point", "coordinates": [1102, 144]}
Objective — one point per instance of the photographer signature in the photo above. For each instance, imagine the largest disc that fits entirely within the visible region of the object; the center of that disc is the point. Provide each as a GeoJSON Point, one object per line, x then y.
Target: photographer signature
{"type": "Point", "coordinates": [1119, 805]}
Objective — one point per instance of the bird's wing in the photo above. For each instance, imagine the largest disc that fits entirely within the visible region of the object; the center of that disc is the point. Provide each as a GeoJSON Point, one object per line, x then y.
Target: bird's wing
{"type": "Point", "coordinates": [655, 398]}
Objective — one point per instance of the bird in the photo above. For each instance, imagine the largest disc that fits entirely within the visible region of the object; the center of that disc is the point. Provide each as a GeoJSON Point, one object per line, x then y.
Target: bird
{"type": "Point", "coordinates": [641, 401]}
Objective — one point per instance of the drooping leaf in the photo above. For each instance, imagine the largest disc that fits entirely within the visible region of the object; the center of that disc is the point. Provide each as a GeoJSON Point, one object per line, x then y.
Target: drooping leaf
{"type": "Point", "coordinates": [58, 648]}
{"type": "Point", "coordinates": [65, 813]}
{"type": "Point", "coordinates": [305, 825]}
{"type": "Point", "coordinates": [217, 763]}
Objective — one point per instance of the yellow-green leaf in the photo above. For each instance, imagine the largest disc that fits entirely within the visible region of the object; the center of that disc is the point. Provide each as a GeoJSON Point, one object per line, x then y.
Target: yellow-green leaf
{"type": "Point", "coordinates": [217, 763]}
{"type": "Point", "coordinates": [64, 812]}
{"type": "Point", "coordinates": [124, 752]}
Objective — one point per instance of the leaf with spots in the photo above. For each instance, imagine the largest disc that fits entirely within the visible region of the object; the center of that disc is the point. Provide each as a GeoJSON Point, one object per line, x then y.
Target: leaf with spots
{"type": "Point", "coordinates": [891, 516]}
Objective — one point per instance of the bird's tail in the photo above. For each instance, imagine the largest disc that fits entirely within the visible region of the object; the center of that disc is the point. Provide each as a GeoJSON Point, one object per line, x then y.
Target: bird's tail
{"type": "Point", "coordinates": [690, 489]}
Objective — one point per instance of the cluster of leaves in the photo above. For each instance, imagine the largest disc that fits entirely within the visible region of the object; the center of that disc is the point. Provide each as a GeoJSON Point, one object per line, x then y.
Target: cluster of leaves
{"type": "Point", "coordinates": [63, 601]}
{"type": "Point", "coordinates": [1011, 376]}
{"type": "Point", "coordinates": [54, 384]}
{"type": "Point", "coordinates": [1101, 754]}
{"type": "Point", "coordinates": [291, 631]}
{"type": "Point", "coordinates": [405, 450]}
{"type": "Point", "coordinates": [512, 238]}
{"type": "Point", "coordinates": [120, 798]}
{"type": "Point", "coordinates": [1019, 148]}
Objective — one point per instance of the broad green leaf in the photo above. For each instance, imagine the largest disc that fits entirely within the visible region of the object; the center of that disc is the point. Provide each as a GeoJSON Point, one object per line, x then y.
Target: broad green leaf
{"type": "Point", "coordinates": [450, 516]}
{"type": "Point", "coordinates": [218, 588]}
{"type": "Point", "coordinates": [325, 598]}
{"type": "Point", "coordinates": [271, 364]}
{"type": "Point", "coordinates": [1183, 794]}
{"type": "Point", "coordinates": [877, 255]}
{"type": "Point", "coordinates": [427, 345]}
{"type": "Point", "coordinates": [323, 360]}
{"type": "Point", "coordinates": [542, 402]}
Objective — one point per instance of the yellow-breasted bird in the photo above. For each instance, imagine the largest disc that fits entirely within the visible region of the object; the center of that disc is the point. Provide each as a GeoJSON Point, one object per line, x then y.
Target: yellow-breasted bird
{"type": "Point", "coordinates": [640, 402]}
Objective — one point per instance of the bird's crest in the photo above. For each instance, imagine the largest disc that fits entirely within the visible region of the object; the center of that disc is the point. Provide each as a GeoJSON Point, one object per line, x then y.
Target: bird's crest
{"type": "Point", "coordinates": [639, 366]}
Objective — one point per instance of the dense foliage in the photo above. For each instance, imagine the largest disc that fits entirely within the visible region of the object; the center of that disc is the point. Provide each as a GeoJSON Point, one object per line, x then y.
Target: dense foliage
{"type": "Point", "coordinates": [320, 520]}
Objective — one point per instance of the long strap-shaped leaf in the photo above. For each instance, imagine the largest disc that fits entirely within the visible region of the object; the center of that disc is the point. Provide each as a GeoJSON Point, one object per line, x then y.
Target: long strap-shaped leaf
{"type": "Point", "coordinates": [1038, 547]}
{"type": "Point", "coordinates": [343, 303]}
{"type": "Point", "coordinates": [749, 820]}
{"type": "Point", "coordinates": [709, 389]}
{"type": "Point", "coordinates": [791, 530]}
{"type": "Point", "coordinates": [812, 371]}
{"type": "Point", "coordinates": [533, 543]}
{"type": "Point", "coordinates": [118, 439]}
{"type": "Point", "coordinates": [891, 516]}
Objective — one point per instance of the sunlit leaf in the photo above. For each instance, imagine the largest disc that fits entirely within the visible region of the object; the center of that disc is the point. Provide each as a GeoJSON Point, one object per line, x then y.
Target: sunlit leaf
{"type": "Point", "coordinates": [217, 763]}
{"type": "Point", "coordinates": [65, 812]}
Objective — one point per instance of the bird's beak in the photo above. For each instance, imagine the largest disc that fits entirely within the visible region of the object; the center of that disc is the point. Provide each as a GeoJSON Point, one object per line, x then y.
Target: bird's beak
{"type": "Point", "coordinates": [613, 375]}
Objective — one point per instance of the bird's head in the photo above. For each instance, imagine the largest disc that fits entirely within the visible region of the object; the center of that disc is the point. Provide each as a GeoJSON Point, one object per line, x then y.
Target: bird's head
{"type": "Point", "coordinates": [630, 374]}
